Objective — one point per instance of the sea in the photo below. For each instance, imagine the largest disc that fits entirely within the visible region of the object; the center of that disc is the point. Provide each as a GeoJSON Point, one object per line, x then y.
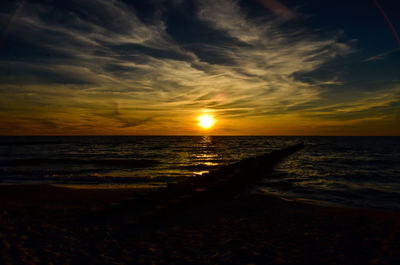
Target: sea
{"type": "Point", "coordinates": [361, 172]}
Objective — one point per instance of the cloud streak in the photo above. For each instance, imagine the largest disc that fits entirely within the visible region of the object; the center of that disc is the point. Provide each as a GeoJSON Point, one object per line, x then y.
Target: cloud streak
{"type": "Point", "coordinates": [98, 62]}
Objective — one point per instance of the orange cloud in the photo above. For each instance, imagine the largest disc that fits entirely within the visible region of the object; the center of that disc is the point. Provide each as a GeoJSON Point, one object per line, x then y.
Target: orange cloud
{"type": "Point", "coordinates": [278, 8]}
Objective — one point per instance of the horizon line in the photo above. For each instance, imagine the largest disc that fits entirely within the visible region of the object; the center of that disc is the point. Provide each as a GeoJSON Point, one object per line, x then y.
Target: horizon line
{"type": "Point", "coordinates": [192, 135]}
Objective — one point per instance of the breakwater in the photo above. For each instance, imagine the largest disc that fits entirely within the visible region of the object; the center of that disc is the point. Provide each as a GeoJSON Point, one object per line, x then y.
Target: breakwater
{"type": "Point", "coordinates": [222, 183]}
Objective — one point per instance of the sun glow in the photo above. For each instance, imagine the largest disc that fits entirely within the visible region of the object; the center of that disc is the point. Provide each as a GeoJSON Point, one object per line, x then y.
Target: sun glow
{"type": "Point", "coordinates": [206, 121]}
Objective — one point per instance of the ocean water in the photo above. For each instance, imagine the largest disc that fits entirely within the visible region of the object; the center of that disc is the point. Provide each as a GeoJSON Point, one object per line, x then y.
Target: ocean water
{"type": "Point", "coordinates": [349, 171]}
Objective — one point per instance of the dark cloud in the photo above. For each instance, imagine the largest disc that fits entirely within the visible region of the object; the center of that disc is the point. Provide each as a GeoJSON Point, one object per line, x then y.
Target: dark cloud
{"type": "Point", "coordinates": [244, 58]}
{"type": "Point", "coordinates": [34, 75]}
{"type": "Point", "coordinates": [124, 122]}
{"type": "Point", "coordinates": [132, 49]}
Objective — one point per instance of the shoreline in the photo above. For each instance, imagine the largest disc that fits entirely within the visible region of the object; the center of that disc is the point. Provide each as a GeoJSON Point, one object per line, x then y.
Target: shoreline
{"type": "Point", "coordinates": [103, 195]}
{"type": "Point", "coordinates": [41, 192]}
{"type": "Point", "coordinates": [20, 195]}
{"type": "Point", "coordinates": [46, 197]}
{"type": "Point", "coordinates": [128, 192]}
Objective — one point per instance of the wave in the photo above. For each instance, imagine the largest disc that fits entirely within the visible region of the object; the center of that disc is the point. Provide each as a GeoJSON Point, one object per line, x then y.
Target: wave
{"type": "Point", "coordinates": [31, 143]}
{"type": "Point", "coordinates": [92, 179]}
{"type": "Point", "coordinates": [124, 163]}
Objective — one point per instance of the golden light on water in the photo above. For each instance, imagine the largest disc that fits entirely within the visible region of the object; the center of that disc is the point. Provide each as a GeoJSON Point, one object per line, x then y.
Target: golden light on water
{"type": "Point", "coordinates": [206, 121]}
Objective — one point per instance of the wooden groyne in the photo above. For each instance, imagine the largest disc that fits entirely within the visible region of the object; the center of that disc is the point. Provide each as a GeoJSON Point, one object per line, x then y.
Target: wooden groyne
{"type": "Point", "coordinates": [221, 183]}
{"type": "Point", "coordinates": [236, 177]}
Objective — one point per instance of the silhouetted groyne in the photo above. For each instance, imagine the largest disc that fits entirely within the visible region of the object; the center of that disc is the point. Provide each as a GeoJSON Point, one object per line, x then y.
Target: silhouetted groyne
{"type": "Point", "coordinates": [221, 183]}
{"type": "Point", "coordinates": [235, 177]}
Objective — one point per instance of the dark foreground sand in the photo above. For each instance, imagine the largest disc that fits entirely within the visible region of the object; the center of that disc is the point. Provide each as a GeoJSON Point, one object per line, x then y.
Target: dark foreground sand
{"type": "Point", "coordinates": [50, 225]}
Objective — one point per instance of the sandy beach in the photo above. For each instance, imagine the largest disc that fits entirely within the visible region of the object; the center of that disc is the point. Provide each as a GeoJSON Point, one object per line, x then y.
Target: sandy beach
{"type": "Point", "coordinates": [43, 224]}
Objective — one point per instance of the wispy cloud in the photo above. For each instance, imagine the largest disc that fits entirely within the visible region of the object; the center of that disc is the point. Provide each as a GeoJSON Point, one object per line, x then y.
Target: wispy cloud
{"type": "Point", "coordinates": [379, 105]}
{"type": "Point", "coordinates": [278, 8]}
{"type": "Point", "coordinates": [98, 61]}
{"type": "Point", "coordinates": [380, 56]}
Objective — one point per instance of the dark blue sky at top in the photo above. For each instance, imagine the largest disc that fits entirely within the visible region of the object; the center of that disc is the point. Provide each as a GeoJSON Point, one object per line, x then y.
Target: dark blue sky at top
{"type": "Point", "coordinates": [359, 23]}
{"type": "Point", "coordinates": [362, 22]}
{"type": "Point", "coordinates": [41, 44]}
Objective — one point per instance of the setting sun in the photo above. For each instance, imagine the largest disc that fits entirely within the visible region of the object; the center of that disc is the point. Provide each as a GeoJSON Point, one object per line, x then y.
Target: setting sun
{"type": "Point", "coordinates": [206, 121]}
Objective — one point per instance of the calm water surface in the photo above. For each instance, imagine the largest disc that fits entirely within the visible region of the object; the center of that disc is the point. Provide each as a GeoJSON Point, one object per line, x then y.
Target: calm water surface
{"type": "Point", "coordinates": [352, 171]}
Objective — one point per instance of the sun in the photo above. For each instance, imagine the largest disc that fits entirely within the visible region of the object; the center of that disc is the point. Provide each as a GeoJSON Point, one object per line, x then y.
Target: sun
{"type": "Point", "coordinates": [206, 121]}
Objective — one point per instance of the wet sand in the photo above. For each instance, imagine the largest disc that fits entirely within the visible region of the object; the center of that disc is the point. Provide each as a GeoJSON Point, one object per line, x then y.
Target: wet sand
{"type": "Point", "coordinates": [42, 224]}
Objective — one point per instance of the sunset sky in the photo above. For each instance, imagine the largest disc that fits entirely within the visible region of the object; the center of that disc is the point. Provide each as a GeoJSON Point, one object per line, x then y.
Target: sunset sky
{"type": "Point", "coordinates": [259, 67]}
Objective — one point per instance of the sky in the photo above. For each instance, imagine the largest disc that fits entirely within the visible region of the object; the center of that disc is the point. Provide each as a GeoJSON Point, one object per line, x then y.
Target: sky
{"type": "Point", "coordinates": [259, 67]}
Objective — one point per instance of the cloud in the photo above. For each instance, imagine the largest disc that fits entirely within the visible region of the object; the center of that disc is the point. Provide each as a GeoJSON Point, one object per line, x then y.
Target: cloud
{"type": "Point", "coordinates": [266, 64]}
{"type": "Point", "coordinates": [381, 55]}
{"type": "Point", "coordinates": [124, 121]}
{"type": "Point", "coordinates": [278, 8]}
{"type": "Point", "coordinates": [371, 105]}
{"type": "Point", "coordinates": [91, 52]}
